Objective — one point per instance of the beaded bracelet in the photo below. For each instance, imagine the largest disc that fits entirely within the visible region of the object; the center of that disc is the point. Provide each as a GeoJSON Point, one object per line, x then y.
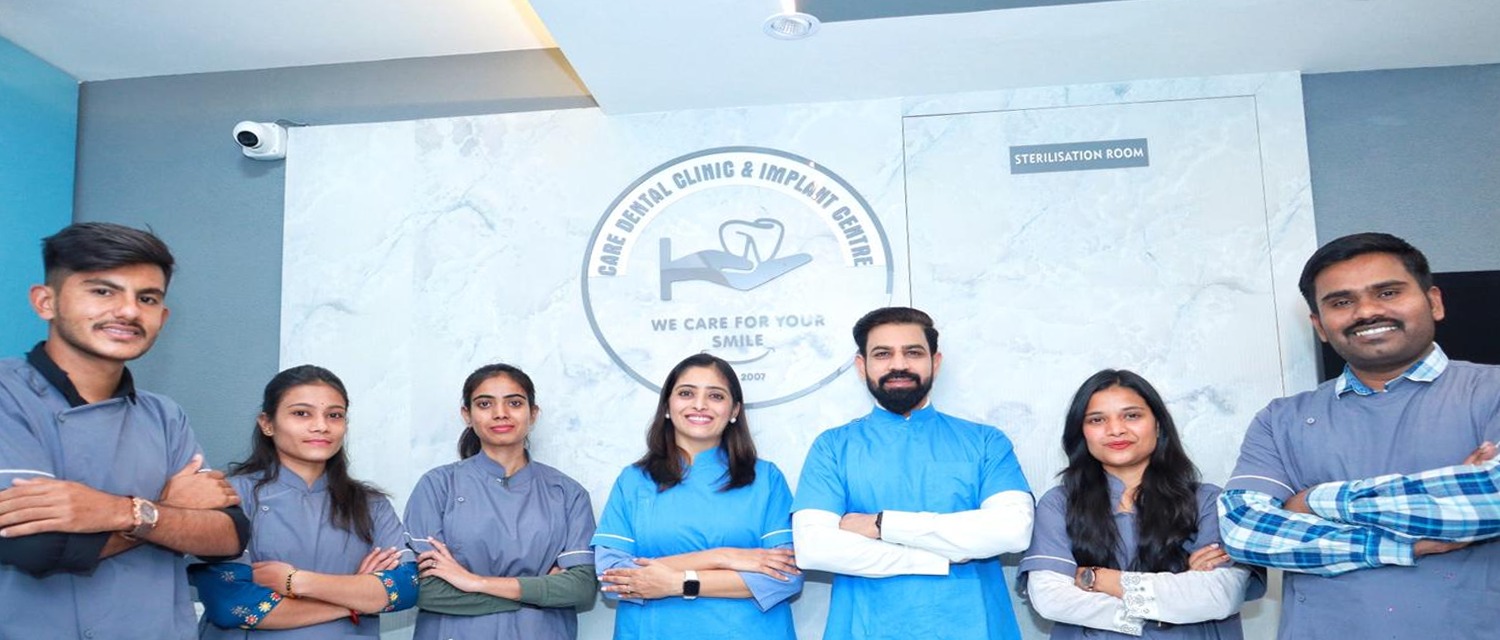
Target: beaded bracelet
{"type": "Point", "coordinates": [289, 575]}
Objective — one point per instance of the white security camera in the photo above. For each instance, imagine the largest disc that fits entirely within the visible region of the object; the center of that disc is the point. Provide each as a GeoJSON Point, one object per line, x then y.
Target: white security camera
{"type": "Point", "coordinates": [261, 140]}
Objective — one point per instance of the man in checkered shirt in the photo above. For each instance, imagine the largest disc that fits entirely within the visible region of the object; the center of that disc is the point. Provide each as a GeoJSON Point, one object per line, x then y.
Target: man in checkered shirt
{"type": "Point", "coordinates": [1378, 492]}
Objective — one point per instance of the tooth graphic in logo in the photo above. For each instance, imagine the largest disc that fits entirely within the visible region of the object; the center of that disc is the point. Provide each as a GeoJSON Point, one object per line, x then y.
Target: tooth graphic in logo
{"type": "Point", "coordinates": [747, 261]}
{"type": "Point", "coordinates": [754, 241]}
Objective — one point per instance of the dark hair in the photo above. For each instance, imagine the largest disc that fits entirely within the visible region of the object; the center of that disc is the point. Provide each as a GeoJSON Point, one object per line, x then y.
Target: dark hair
{"type": "Point", "coordinates": [1353, 246]}
{"type": "Point", "coordinates": [1166, 503]}
{"type": "Point", "coordinates": [100, 246]}
{"type": "Point", "coordinates": [348, 499]}
{"type": "Point", "coordinates": [663, 461]}
{"type": "Point", "coordinates": [895, 315]}
{"type": "Point", "coordinates": [468, 441]}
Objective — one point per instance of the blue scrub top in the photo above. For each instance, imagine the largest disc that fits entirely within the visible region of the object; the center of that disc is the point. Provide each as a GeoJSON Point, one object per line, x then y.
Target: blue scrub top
{"type": "Point", "coordinates": [929, 462]}
{"type": "Point", "coordinates": [693, 516]}
{"type": "Point", "coordinates": [289, 522]}
{"type": "Point", "coordinates": [519, 526]}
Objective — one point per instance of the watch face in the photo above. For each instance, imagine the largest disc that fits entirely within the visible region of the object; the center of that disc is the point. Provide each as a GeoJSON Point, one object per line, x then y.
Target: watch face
{"type": "Point", "coordinates": [1088, 578]}
{"type": "Point", "coordinates": [690, 588]}
{"type": "Point", "coordinates": [148, 512]}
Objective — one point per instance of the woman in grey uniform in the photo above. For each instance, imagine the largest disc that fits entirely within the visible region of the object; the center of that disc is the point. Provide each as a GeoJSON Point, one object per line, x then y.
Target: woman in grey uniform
{"type": "Point", "coordinates": [323, 556]}
{"type": "Point", "coordinates": [504, 539]}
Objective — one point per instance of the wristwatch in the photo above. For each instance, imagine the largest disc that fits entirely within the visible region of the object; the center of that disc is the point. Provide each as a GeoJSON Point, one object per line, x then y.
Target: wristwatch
{"type": "Point", "coordinates": [1088, 578]}
{"type": "Point", "coordinates": [143, 518]}
{"type": "Point", "coordinates": [690, 585]}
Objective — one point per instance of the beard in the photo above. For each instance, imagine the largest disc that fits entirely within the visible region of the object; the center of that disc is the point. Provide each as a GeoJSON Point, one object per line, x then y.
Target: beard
{"type": "Point", "coordinates": [900, 401]}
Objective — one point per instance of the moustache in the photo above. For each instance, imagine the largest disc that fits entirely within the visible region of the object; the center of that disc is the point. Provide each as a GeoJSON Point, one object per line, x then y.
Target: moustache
{"type": "Point", "coordinates": [900, 375]}
{"type": "Point", "coordinates": [1362, 324]}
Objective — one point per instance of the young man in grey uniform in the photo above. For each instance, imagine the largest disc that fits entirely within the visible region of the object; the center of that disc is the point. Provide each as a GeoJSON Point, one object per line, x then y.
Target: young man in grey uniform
{"type": "Point", "coordinates": [102, 485]}
{"type": "Point", "coordinates": [1379, 491]}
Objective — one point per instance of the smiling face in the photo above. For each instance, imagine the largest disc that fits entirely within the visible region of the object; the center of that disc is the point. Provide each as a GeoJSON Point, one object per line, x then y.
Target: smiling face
{"type": "Point", "coordinates": [898, 366]}
{"type": "Point", "coordinates": [700, 407]}
{"type": "Point", "coordinates": [1374, 314]}
{"type": "Point", "coordinates": [102, 317]}
{"type": "Point", "coordinates": [1120, 430]}
{"type": "Point", "coordinates": [308, 428]}
{"type": "Point", "coordinates": [500, 413]}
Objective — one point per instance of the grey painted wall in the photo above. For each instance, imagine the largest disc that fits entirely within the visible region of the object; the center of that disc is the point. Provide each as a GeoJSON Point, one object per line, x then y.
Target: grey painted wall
{"type": "Point", "coordinates": [158, 152]}
{"type": "Point", "coordinates": [38, 133]}
{"type": "Point", "coordinates": [1413, 153]}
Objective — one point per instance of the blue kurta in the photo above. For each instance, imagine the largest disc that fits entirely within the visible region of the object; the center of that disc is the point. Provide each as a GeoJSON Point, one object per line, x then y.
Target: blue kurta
{"type": "Point", "coordinates": [693, 516]}
{"type": "Point", "coordinates": [290, 523]}
{"type": "Point", "coordinates": [929, 462]}
{"type": "Point", "coordinates": [516, 527]}
{"type": "Point", "coordinates": [1052, 550]}
{"type": "Point", "coordinates": [127, 446]}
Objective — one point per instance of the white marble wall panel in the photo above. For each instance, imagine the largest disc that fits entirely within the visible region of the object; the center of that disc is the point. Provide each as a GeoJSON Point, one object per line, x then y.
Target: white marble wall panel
{"type": "Point", "coordinates": [417, 251]}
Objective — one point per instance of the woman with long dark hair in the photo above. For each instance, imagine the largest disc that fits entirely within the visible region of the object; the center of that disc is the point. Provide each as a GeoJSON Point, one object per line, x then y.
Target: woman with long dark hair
{"type": "Point", "coordinates": [504, 539]}
{"type": "Point", "coordinates": [324, 553]}
{"type": "Point", "coordinates": [696, 538]}
{"type": "Point", "coordinates": [1128, 545]}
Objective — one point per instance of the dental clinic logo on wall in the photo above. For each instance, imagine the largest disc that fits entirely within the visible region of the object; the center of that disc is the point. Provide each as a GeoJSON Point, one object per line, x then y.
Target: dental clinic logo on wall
{"type": "Point", "coordinates": [758, 256]}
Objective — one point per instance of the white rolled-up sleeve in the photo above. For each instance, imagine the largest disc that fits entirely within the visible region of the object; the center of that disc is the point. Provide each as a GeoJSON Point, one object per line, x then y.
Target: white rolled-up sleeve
{"type": "Point", "coordinates": [822, 546]}
{"type": "Point", "coordinates": [1001, 524]}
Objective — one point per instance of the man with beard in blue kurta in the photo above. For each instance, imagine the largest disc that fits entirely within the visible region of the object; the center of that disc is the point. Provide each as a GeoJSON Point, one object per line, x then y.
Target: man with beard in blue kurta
{"type": "Point", "coordinates": [908, 507]}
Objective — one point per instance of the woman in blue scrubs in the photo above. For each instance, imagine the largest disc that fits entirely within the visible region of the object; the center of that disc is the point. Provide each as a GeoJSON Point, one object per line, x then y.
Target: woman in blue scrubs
{"type": "Point", "coordinates": [323, 556]}
{"type": "Point", "coordinates": [696, 539]}
{"type": "Point", "coordinates": [504, 539]}
{"type": "Point", "coordinates": [1128, 545]}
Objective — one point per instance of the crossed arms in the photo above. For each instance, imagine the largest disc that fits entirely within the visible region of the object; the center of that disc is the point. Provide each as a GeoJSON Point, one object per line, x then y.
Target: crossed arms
{"type": "Point", "coordinates": [1337, 527]}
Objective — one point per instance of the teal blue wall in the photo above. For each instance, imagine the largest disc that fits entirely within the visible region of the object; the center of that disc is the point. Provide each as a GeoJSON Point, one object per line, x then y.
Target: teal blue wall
{"type": "Point", "coordinates": [38, 143]}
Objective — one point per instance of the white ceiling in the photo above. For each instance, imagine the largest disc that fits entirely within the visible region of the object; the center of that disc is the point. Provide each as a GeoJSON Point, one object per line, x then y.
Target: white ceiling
{"type": "Point", "coordinates": [656, 55]}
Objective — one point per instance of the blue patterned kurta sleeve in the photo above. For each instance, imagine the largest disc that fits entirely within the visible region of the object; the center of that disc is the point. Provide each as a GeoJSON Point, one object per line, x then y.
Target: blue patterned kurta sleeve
{"type": "Point", "coordinates": [1455, 504]}
{"type": "Point", "coordinates": [231, 599]}
{"type": "Point", "coordinates": [400, 583]}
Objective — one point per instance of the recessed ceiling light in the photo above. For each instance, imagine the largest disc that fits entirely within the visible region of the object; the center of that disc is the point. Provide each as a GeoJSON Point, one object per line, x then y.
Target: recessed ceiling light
{"type": "Point", "coordinates": [792, 25]}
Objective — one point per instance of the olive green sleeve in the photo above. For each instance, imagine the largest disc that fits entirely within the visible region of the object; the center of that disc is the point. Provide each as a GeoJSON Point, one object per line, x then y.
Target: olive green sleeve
{"type": "Point", "coordinates": [440, 597]}
{"type": "Point", "coordinates": [575, 587]}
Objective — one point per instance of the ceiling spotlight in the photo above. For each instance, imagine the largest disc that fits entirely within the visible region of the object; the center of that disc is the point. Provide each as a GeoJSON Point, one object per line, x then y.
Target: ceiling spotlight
{"type": "Point", "coordinates": [791, 25]}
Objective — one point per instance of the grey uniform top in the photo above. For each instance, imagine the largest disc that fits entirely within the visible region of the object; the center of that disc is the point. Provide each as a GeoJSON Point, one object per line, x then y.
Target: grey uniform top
{"type": "Point", "coordinates": [1316, 437]}
{"type": "Point", "coordinates": [1052, 550]}
{"type": "Point", "coordinates": [128, 445]}
{"type": "Point", "coordinates": [496, 526]}
{"type": "Point", "coordinates": [291, 524]}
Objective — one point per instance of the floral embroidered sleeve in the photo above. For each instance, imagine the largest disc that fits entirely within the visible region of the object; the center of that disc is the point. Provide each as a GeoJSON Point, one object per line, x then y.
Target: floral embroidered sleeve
{"type": "Point", "coordinates": [231, 599]}
{"type": "Point", "coordinates": [400, 586]}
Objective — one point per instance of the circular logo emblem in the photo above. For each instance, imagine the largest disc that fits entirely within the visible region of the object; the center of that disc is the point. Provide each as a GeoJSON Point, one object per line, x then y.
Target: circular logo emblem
{"type": "Point", "coordinates": [758, 256]}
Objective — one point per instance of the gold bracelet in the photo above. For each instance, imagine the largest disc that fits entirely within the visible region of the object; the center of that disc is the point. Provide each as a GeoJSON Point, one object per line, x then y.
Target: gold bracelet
{"type": "Point", "coordinates": [289, 575]}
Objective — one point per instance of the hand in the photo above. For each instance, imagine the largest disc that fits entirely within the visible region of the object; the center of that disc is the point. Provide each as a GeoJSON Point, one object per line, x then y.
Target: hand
{"type": "Point", "coordinates": [44, 505]}
{"type": "Point", "coordinates": [1298, 503]}
{"type": "Point", "coordinates": [379, 560]}
{"type": "Point", "coordinates": [860, 523]}
{"type": "Point", "coordinates": [1208, 558]}
{"type": "Point", "coordinates": [649, 580]}
{"type": "Point", "coordinates": [777, 563]}
{"type": "Point", "coordinates": [1432, 547]}
{"type": "Point", "coordinates": [1481, 455]}
{"type": "Point", "coordinates": [272, 574]}
{"type": "Point", "coordinates": [439, 563]}
{"type": "Point", "coordinates": [193, 488]}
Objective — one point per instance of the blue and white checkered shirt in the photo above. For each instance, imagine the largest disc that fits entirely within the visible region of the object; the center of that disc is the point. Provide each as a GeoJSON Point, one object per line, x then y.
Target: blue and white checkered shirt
{"type": "Point", "coordinates": [1425, 370]}
{"type": "Point", "coordinates": [1369, 522]}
